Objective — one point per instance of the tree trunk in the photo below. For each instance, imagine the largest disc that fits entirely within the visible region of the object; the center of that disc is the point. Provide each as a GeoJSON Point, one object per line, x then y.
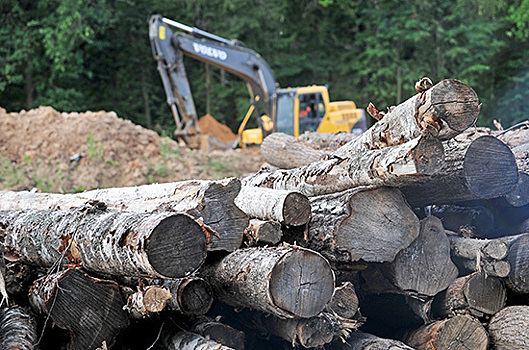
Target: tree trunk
{"type": "Point", "coordinates": [344, 302]}
{"type": "Point", "coordinates": [286, 281]}
{"type": "Point", "coordinates": [91, 309]}
{"type": "Point", "coordinates": [220, 333]}
{"type": "Point", "coordinates": [518, 258]}
{"type": "Point", "coordinates": [473, 169]}
{"type": "Point", "coordinates": [445, 110]}
{"type": "Point", "coordinates": [153, 245]}
{"type": "Point", "coordinates": [459, 332]}
{"type": "Point", "coordinates": [261, 232]}
{"type": "Point", "coordinates": [509, 328]}
{"type": "Point", "coordinates": [192, 341]}
{"type": "Point", "coordinates": [361, 224]}
{"type": "Point", "coordinates": [476, 294]}
{"type": "Point", "coordinates": [287, 152]}
{"type": "Point", "coordinates": [212, 201]}
{"type": "Point", "coordinates": [18, 329]}
{"type": "Point", "coordinates": [392, 166]}
{"type": "Point", "coordinates": [520, 196]}
{"type": "Point", "coordinates": [287, 207]}
{"type": "Point", "coordinates": [327, 141]}
{"type": "Point", "coordinates": [424, 268]}
{"type": "Point", "coordinates": [366, 341]}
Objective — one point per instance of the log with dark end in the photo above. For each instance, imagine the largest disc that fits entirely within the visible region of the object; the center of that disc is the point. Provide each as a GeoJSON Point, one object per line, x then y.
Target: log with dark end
{"type": "Point", "coordinates": [18, 329]}
{"type": "Point", "coordinates": [361, 224]}
{"type": "Point", "coordinates": [424, 267]}
{"type": "Point", "coordinates": [261, 232]}
{"type": "Point", "coordinates": [473, 169]}
{"type": "Point", "coordinates": [161, 244]}
{"type": "Point", "coordinates": [459, 332]}
{"type": "Point", "coordinates": [287, 207]}
{"type": "Point", "coordinates": [91, 309]}
{"type": "Point", "coordinates": [477, 294]}
{"type": "Point", "coordinates": [220, 333]}
{"type": "Point", "coordinates": [520, 196]}
{"type": "Point", "coordinates": [344, 302]}
{"type": "Point", "coordinates": [366, 341]}
{"type": "Point", "coordinates": [192, 341]}
{"type": "Point", "coordinates": [287, 152]}
{"type": "Point", "coordinates": [518, 258]}
{"type": "Point", "coordinates": [509, 328]}
{"type": "Point", "coordinates": [286, 281]}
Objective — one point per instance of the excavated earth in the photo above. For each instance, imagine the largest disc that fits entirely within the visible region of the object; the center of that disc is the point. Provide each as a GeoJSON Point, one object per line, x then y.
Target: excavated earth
{"type": "Point", "coordinates": [49, 151]}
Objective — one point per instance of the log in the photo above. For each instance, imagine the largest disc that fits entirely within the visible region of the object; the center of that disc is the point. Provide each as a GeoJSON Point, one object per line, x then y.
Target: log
{"type": "Point", "coordinates": [372, 225]}
{"type": "Point", "coordinates": [466, 220]}
{"type": "Point", "coordinates": [191, 295]}
{"type": "Point", "coordinates": [161, 245]}
{"type": "Point", "coordinates": [90, 309]}
{"type": "Point", "coordinates": [212, 201]}
{"type": "Point", "coordinates": [220, 333]}
{"type": "Point", "coordinates": [518, 258]}
{"type": "Point", "coordinates": [344, 302]}
{"type": "Point", "coordinates": [459, 332]}
{"type": "Point", "coordinates": [192, 341]}
{"type": "Point", "coordinates": [521, 153]}
{"type": "Point", "coordinates": [18, 329]}
{"type": "Point", "coordinates": [481, 168]}
{"type": "Point", "coordinates": [476, 294]}
{"type": "Point", "coordinates": [261, 232]}
{"type": "Point", "coordinates": [327, 141]}
{"type": "Point", "coordinates": [445, 110]}
{"type": "Point", "coordinates": [424, 268]}
{"type": "Point", "coordinates": [520, 196]}
{"type": "Point", "coordinates": [509, 328]}
{"type": "Point", "coordinates": [286, 207]}
{"type": "Point", "coordinates": [392, 166]}
{"type": "Point", "coordinates": [287, 152]}
{"type": "Point", "coordinates": [367, 341]}
{"type": "Point", "coordinates": [286, 281]}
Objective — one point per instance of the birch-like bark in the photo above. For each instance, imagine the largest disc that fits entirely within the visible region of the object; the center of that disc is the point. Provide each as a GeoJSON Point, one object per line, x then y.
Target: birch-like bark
{"type": "Point", "coordinates": [18, 329]}
{"type": "Point", "coordinates": [366, 341]}
{"type": "Point", "coordinates": [287, 152]}
{"type": "Point", "coordinates": [509, 328]}
{"type": "Point", "coordinates": [161, 245]}
{"type": "Point", "coordinates": [192, 341]}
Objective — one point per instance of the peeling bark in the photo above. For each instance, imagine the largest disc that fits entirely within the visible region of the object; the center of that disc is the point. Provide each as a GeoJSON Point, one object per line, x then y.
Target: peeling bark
{"type": "Point", "coordinates": [18, 329]}
{"type": "Point", "coordinates": [192, 341]}
{"type": "Point", "coordinates": [287, 152]}
{"type": "Point", "coordinates": [220, 333]}
{"type": "Point", "coordinates": [366, 341]}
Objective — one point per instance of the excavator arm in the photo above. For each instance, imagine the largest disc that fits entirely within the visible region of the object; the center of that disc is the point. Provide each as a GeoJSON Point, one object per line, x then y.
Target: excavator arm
{"type": "Point", "coordinates": [169, 49]}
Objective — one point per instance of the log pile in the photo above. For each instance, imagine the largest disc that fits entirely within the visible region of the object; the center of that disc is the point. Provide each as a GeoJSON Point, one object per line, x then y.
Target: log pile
{"type": "Point", "coordinates": [413, 235]}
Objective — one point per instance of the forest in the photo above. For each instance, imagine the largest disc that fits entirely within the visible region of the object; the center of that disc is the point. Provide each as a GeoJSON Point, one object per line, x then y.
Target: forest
{"type": "Point", "coordinates": [78, 55]}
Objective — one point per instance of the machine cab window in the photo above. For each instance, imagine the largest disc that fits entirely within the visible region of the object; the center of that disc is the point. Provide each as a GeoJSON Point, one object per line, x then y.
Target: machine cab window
{"type": "Point", "coordinates": [311, 111]}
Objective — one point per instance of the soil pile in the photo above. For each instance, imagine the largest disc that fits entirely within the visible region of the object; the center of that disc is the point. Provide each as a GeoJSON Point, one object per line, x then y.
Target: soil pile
{"type": "Point", "coordinates": [67, 152]}
{"type": "Point", "coordinates": [209, 125]}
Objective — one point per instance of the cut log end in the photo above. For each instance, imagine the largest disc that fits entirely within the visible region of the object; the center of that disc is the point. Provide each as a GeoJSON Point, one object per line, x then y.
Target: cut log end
{"type": "Point", "coordinates": [490, 168]}
{"type": "Point", "coordinates": [302, 283]}
{"type": "Point", "coordinates": [429, 156]}
{"type": "Point", "coordinates": [520, 196]}
{"type": "Point", "coordinates": [177, 246]}
{"type": "Point", "coordinates": [296, 210]}
{"type": "Point", "coordinates": [195, 297]}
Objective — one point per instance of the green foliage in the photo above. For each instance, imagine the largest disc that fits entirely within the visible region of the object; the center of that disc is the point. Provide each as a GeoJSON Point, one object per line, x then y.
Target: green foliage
{"type": "Point", "coordinates": [95, 148]}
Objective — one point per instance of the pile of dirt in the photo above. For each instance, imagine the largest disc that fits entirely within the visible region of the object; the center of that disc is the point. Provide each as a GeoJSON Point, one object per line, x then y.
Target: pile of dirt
{"type": "Point", "coordinates": [67, 152]}
{"type": "Point", "coordinates": [209, 125]}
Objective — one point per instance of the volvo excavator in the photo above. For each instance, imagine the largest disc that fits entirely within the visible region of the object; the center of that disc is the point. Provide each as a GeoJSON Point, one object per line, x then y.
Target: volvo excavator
{"type": "Point", "coordinates": [289, 110]}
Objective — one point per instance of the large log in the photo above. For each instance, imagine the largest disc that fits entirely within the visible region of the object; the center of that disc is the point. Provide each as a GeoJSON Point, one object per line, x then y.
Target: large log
{"type": "Point", "coordinates": [518, 258]}
{"type": "Point", "coordinates": [392, 166]}
{"type": "Point", "coordinates": [520, 196]}
{"type": "Point", "coordinates": [286, 207]}
{"type": "Point", "coordinates": [424, 268]}
{"type": "Point", "coordinates": [474, 168]}
{"type": "Point", "coordinates": [286, 281]}
{"type": "Point", "coordinates": [459, 332]}
{"type": "Point", "coordinates": [91, 309]}
{"type": "Point", "coordinates": [445, 110]}
{"type": "Point", "coordinates": [287, 152]}
{"type": "Point", "coordinates": [360, 224]}
{"type": "Point", "coordinates": [476, 294]}
{"type": "Point", "coordinates": [161, 245]}
{"type": "Point", "coordinates": [18, 329]}
{"type": "Point", "coordinates": [509, 328]}
{"type": "Point", "coordinates": [212, 201]}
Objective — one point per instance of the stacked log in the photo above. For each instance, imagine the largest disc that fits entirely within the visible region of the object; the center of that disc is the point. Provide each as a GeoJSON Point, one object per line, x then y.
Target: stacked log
{"type": "Point", "coordinates": [409, 218]}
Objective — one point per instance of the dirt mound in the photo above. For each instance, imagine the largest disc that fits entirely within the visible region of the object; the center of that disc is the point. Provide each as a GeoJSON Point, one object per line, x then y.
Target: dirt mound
{"type": "Point", "coordinates": [209, 125]}
{"type": "Point", "coordinates": [65, 152]}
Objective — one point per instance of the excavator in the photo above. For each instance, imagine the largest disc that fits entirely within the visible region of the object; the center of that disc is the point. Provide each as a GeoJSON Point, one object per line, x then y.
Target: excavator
{"type": "Point", "coordinates": [289, 110]}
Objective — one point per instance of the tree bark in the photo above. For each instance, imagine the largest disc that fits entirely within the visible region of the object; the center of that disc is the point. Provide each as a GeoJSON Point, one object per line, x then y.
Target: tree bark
{"type": "Point", "coordinates": [327, 141]}
{"type": "Point", "coordinates": [287, 152]}
{"type": "Point", "coordinates": [286, 207]}
{"type": "Point", "coordinates": [192, 341]}
{"type": "Point", "coordinates": [366, 341]}
{"type": "Point", "coordinates": [520, 196]}
{"type": "Point", "coordinates": [424, 268]}
{"type": "Point", "coordinates": [476, 294]}
{"type": "Point", "coordinates": [220, 333]}
{"type": "Point", "coordinates": [285, 281]}
{"type": "Point", "coordinates": [509, 328]}
{"type": "Point", "coordinates": [91, 309]}
{"type": "Point", "coordinates": [261, 232]}
{"type": "Point", "coordinates": [18, 329]}
{"type": "Point", "coordinates": [518, 258]}
{"type": "Point", "coordinates": [153, 245]}
{"type": "Point", "coordinates": [445, 110]}
{"type": "Point", "coordinates": [392, 166]}
{"type": "Point", "coordinates": [459, 332]}
{"type": "Point", "coordinates": [360, 224]}
{"type": "Point", "coordinates": [481, 168]}
{"type": "Point", "coordinates": [212, 201]}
